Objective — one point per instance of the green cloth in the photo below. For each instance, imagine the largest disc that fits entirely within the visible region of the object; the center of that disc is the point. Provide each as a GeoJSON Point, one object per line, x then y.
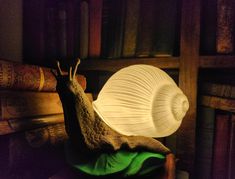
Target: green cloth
{"type": "Point", "coordinates": [126, 163]}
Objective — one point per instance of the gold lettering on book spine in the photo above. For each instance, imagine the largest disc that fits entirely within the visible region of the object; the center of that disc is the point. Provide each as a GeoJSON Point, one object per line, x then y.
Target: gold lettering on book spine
{"type": "Point", "coordinates": [42, 79]}
{"type": "Point", "coordinates": [6, 75]}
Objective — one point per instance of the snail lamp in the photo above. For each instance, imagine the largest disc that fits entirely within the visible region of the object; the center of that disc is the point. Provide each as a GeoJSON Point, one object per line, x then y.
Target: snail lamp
{"type": "Point", "coordinates": [115, 135]}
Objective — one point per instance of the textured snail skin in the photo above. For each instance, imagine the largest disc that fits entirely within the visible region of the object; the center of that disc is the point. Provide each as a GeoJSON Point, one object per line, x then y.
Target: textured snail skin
{"type": "Point", "coordinates": [85, 128]}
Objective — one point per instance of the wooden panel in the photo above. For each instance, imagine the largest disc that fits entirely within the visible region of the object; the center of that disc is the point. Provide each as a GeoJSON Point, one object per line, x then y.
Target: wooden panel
{"type": "Point", "coordinates": [116, 64]}
{"type": "Point", "coordinates": [190, 27]}
{"type": "Point", "coordinates": [221, 61]}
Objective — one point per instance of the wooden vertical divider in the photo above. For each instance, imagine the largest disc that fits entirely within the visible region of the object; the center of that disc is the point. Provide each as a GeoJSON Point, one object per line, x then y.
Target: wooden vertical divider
{"type": "Point", "coordinates": [188, 71]}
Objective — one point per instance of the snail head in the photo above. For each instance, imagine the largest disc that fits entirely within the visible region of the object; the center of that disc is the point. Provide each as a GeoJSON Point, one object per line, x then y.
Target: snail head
{"type": "Point", "coordinates": [66, 82]}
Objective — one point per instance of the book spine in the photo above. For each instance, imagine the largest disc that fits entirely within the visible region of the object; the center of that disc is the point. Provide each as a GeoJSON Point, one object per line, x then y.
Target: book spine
{"type": "Point", "coordinates": [221, 144]}
{"type": "Point", "coordinates": [22, 104]}
{"type": "Point", "coordinates": [225, 26]}
{"type": "Point", "coordinates": [208, 32]}
{"type": "Point", "coordinates": [29, 77]}
{"type": "Point", "coordinates": [204, 142]}
{"type": "Point", "coordinates": [165, 28]}
{"type": "Point", "coordinates": [50, 34]}
{"type": "Point", "coordinates": [146, 28]}
{"type": "Point", "coordinates": [220, 90]}
{"type": "Point", "coordinates": [119, 18]}
{"type": "Point", "coordinates": [22, 124]}
{"type": "Point", "coordinates": [70, 31]}
{"type": "Point", "coordinates": [95, 18]}
{"type": "Point", "coordinates": [106, 15]}
{"type": "Point", "coordinates": [36, 150]}
{"type": "Point", "coordinates": [130, 28]}
{"type": "Point", "coordinates": [11, 13]}
{"type": "Point", "coordinates": [112, 30]}
{"type": "Point", "coordinates": [50, 135]}
{"type": "Point", "coordinates": [84, 29]}
{"type": "Point", "coordinates": [34, 32]}
{"type": "Point", "coordinates": [231, 153]}
{"type": "Point", "coordinates": [19, 104]}
{"type": "Point", "coordinates": [62, 29]}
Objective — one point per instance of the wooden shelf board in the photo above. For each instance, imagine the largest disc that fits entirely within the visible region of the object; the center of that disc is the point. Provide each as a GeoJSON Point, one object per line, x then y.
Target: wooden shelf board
{"type": "Point", "coordinates": [219, 61]}
{"type": "Point", "coordinates": [116, 64]}
{"type": "Point", "coordinates": [218, 103]}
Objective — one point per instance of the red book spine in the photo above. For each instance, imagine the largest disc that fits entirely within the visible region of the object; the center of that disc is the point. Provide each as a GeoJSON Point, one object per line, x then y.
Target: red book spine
{"type": "Point", "coordinates": [95, 18]}
{"type": "Point", "coordinates": [225, 26]}
{"type": "Point", "coordinates": [231, 157]}
{"type": "Point", "coordinates": [221, 146]}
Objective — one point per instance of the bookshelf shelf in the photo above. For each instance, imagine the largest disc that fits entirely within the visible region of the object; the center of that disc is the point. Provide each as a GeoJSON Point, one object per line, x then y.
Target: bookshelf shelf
{"type": "Point", "coordinates": [116, 64]}
{"type": "Point", "coordinates": [218, 103]}
{"type": "Point", "coordinates": [220, 61]}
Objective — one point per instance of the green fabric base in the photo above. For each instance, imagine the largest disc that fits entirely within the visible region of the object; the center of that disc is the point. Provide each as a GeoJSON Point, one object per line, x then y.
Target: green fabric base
{"type": "Point", "coordinates": [126, 163]}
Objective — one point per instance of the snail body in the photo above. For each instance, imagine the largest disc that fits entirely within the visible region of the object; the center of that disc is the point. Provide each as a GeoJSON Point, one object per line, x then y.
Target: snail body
{"type": "Point", "coordinates": [86, 129]}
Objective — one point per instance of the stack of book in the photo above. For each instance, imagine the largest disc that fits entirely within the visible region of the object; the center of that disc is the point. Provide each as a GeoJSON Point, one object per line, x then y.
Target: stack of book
{"type": "Point", "coordinates": [31, 121]}
{"type": "Point", "coordinates": [215, 131]}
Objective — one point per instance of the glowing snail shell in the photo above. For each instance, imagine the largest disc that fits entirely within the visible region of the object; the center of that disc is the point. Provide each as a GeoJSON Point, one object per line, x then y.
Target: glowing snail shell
{"type": "Point", "coordinates": [141, 100]}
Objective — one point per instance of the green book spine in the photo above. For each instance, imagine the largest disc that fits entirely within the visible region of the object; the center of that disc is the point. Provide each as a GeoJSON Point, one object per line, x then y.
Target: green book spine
{"type": "Point", "coordinates": [165, 28]}
{"type": "Point", "coordinates": [204, 141]}
{"type": "Point", "coordinates": [130, 28]}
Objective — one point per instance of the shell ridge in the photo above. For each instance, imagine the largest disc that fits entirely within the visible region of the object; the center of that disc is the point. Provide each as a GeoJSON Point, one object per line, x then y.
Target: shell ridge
{"type": "Point", "coordinates": [141, 100]}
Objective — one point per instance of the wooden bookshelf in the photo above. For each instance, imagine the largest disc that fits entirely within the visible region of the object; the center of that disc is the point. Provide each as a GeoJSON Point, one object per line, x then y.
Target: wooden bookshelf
{"type": "Point", "coordinates": [188, 63]}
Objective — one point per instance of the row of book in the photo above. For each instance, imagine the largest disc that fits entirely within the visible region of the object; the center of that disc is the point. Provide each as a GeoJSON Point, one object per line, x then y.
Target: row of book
{"type": "Point", "coordinates": [104, 28]}
{"type": "Point", "coordinates": [119, 29]}
{"type": "Point", "coordinates": [215, 136]}
{"type": "Point", "coordinates": [32, 130]}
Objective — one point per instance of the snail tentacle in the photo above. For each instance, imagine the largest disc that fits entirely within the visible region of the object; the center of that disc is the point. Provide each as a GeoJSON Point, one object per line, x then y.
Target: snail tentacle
{"type": "Point", "coordinates": [76, 67]}
{"type": "Point", "coordinates": [59, 71]}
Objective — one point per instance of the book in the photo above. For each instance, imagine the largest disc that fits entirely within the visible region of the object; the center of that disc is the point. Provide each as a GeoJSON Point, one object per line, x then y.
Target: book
{"type": "Point", "coordinates": [130, 28]}
{"type": "Point", "coordinates": [204, 141]}
{"type": "Point", "coordinates": [35, 153]}
{"type": "Point", "coordinates": [221, 145]}
{"type": "Point", "coordinates": [95, 18]}
{"type": "Point", "coordinates": [208, 26]}
{"type": "Point", "coordinates": [21, 104]}
{"type": "Point", "coordinates": [19, 76]}
{"type": "Point", "coordinates": [165, 23]}
{"type": "Point", "coordinates": [218, 103]}
{"type": "Point", "coordinates": [146, 28]}
{"type": "Point", "coordinates": [181, 174]}
{"type": "Point", "coordinates": [34, 32]}
{"type": "Point", "coordinates": [51, 49]}
{"type": "Point", "coordinates": [220, 90]}
{"type": "Point", "coordinates": [61, 29]}
{"type": "Point", "coordinates": [225, 27]}
{"type": "Point", "coordinates": [231, 152]}
{"type": "Point", "coordinates": [112, 28]}
{"type": "Point", "coordinates": [22, 124]}
{"type": "Point", "coordinates": [71, 8]}
{"type": "Point", "coordinates": [11, 31]}
{"type": "Point", "coordinates": [84, 29]}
